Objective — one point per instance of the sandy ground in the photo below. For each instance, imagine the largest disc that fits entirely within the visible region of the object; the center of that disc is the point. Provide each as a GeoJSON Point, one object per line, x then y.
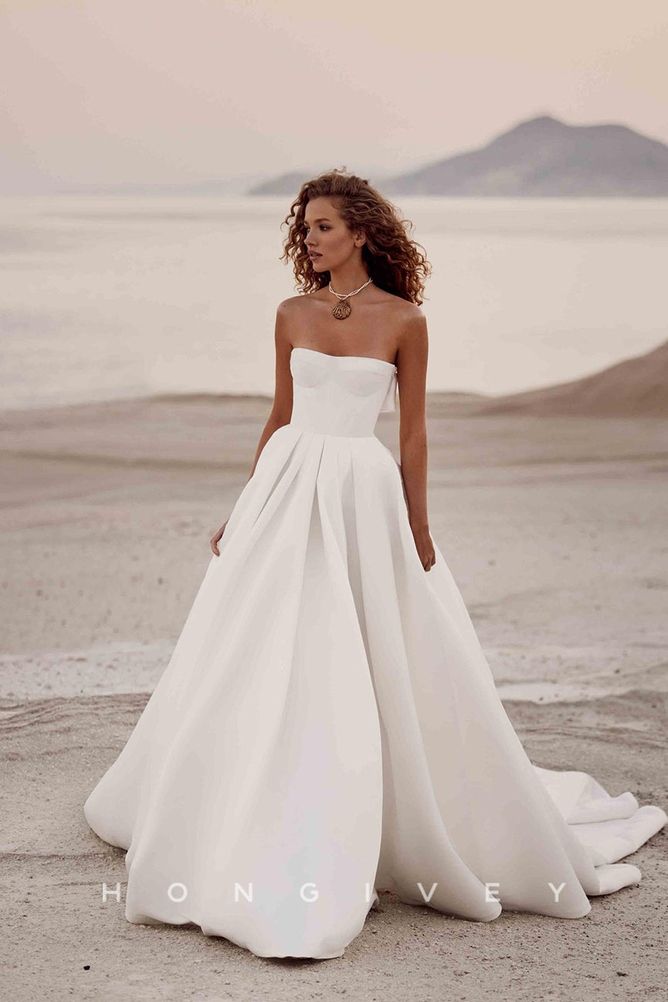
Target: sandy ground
{"type": "Point", "coordinates": [555, 529]}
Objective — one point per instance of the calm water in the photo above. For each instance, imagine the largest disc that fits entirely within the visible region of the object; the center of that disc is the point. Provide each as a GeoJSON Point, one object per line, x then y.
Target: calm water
{"type": "Point", "coordinates": [112, 297]}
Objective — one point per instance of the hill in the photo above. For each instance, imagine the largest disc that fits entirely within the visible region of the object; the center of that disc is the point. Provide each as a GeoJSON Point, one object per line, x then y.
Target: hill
{"type": "Point", "coordinates": [634, 387]}
{"type": "Point", "coordinates": [284, 184]}
{"type": "Point", "coordinates": [545, 157]}
{"type": "Point", "coordinates": [540, 157]}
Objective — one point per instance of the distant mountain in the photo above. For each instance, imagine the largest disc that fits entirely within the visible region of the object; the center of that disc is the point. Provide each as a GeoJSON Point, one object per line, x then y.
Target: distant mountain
{"type": "Point", "coordinates": [545, 157]}
{"type": "Point", "coordinates": [284, 184]}
{"type": "Point", "coordinates": [538, 158]}
{"type": "Point", "coordinates": [213, 187]}
{"type": "Point", "coordinates": [291, 182]}
{"type": "Point", "coordinates": [635, 387]}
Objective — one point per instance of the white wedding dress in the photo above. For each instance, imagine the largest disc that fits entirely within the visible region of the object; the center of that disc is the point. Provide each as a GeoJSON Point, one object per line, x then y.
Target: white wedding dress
{"type": "Point", "coordinates": [328, 726]}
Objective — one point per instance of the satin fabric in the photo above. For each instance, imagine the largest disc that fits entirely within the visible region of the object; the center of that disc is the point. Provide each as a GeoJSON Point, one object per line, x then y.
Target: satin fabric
{"type": "Point", "coordinates": [328, 725]}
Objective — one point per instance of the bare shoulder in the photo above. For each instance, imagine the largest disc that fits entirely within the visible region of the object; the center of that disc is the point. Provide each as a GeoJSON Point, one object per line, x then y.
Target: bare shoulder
{"type": "Point", "coordinates": [295, 310]}
{"type": "Point", "coordinates": [411, 315]}
{"type": "Point", "coordinates": [292, 314]}
{"type": "Point", "coordinates": [294, 305]}
{"type": "Point", "coordinates": [287, 307]}
{"type": "Point", "coordinates": [411, 325]}
{"type": "Point", "coordinates": [401, 310]}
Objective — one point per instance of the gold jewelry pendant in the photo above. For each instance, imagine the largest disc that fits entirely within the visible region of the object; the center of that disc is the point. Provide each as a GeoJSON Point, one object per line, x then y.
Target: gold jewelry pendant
{"type": "Point", "coordinates": [342, 310]}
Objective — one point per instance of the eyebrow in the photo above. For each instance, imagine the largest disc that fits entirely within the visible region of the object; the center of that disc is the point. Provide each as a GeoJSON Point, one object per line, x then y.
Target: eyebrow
{"type": "Point", "coordinates": [323, 219]}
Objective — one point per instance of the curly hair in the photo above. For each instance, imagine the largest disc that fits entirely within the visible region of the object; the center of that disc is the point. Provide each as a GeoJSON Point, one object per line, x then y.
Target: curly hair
{"type": "Point", "coordinates": [395, 262]}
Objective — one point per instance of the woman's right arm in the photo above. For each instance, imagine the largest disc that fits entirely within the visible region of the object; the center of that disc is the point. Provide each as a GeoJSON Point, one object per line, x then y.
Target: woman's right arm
{"type": "Point", "coordinates": [281, 410]}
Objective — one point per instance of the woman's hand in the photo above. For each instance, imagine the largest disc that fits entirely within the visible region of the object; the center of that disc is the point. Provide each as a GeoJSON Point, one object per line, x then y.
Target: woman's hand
{"type": "Point", "coordinates": [424, 546]}
{"type": "Point", "coordinates": [215, 539]}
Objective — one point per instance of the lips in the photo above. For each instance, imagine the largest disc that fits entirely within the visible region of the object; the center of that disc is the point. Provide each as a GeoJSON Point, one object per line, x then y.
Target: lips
{"type": "Point", "coordinates": [314, 254]}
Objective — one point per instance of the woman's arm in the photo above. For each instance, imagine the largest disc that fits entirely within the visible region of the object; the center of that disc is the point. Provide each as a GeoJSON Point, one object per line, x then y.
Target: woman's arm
{"type": "Point", "coordinates": [412, 377]}
{"type": "Point", "coordinates": [281, 410]}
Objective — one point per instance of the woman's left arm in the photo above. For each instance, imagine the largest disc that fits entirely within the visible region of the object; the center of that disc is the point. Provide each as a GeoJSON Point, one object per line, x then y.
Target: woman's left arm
{"type": "Point", "coordinates": [412, 378]}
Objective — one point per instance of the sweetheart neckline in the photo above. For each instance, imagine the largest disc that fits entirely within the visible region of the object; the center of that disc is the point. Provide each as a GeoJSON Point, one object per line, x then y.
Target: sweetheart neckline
{"type": "Point", "coordinates": [371, 358]}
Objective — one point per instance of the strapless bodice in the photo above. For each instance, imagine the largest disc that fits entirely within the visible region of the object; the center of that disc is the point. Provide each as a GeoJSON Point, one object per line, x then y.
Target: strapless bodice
{"type": "Point", "coordinates": [340, 394]}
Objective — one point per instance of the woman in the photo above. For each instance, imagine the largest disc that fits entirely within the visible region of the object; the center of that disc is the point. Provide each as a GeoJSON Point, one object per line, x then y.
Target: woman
{"type": "Point", "coordinates": [328, 726]}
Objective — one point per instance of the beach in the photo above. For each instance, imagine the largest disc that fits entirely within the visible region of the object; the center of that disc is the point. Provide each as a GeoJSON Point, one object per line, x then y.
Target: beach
{"type": "Point", "coordinates": [554, 529]}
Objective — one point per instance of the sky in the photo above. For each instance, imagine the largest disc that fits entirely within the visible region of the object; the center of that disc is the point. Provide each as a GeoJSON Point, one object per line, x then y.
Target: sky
{"type": "Point", "coordinates": [107, 92]}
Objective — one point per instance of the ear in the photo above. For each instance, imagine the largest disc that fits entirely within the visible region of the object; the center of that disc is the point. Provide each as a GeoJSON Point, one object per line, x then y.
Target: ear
{"type": "Point", "coordinates": [359, 238]}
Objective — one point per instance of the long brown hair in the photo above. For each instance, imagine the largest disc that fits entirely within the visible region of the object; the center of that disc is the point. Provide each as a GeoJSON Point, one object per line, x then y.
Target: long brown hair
{"type": "Point", "coordinates": [395, 262]}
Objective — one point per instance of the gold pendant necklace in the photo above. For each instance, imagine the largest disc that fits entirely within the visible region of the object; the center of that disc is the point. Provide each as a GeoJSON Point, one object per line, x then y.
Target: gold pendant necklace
{"type": "Point", "coordinates": [343, 308]}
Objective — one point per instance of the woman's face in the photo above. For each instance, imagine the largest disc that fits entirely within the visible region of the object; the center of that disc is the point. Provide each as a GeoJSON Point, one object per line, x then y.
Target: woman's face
{"type": "Point", "coordinates": [328, 240]}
